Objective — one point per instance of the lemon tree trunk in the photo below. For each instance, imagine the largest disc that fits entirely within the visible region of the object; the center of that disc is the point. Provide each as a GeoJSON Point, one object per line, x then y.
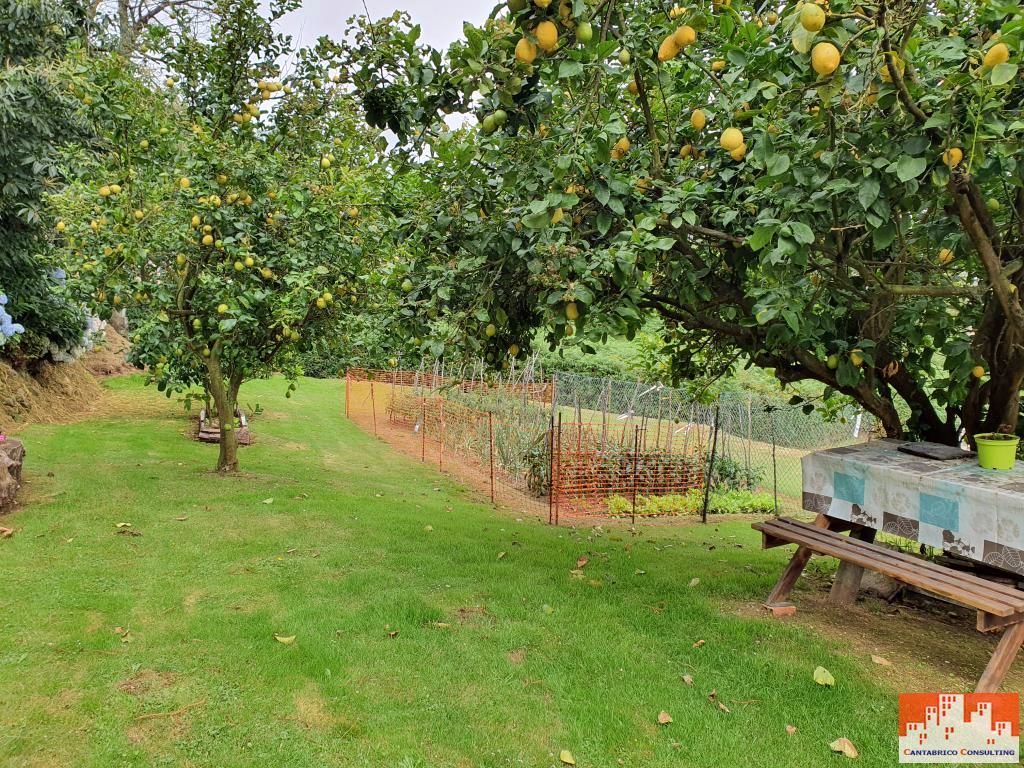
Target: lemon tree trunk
{"type": "Point", "coordinates": [225, 396]}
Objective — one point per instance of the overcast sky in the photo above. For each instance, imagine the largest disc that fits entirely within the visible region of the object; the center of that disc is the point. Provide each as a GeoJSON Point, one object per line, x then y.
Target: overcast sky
{"type": "Point", "coordinates": [441, 21]}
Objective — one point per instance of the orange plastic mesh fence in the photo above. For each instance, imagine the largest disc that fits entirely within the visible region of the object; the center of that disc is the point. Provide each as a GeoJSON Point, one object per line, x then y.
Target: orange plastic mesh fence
{"type": "Point", "coordinates": [499, 438]}
{"type": "Point", "coordinates": [594, 463]}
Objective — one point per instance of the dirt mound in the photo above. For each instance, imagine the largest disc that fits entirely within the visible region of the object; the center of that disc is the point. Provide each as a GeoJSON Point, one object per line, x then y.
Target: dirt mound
{"type": "Point", "coordinates": [108, 358]}
{"type": "Point", "coordinates": [57, 392]}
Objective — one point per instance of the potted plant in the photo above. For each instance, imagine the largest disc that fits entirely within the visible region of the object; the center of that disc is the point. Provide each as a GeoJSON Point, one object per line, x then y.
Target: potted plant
{"type": "Point", "coordinates": [996, 450]}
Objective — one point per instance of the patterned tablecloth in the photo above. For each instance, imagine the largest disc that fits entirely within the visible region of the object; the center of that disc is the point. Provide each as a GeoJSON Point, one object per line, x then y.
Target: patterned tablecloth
{"type": "Point", "coordinates": [954, 505]}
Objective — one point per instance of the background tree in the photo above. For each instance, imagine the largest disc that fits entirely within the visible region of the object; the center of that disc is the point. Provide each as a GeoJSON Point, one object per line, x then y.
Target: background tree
{"type": "Point", "coordinates": [830, 191]}
{"type": "Point", "coordinates": [36, 120]}
{"type": "Point", "coordinates": [226, 213]}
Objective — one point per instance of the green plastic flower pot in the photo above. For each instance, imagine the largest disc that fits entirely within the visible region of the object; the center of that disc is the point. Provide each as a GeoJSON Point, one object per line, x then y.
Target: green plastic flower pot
{"type": "Point", "coordinates": [996, 451]}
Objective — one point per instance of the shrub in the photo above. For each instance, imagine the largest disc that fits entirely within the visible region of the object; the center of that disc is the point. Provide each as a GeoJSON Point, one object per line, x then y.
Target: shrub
{"type": "Point", "coordinates": [731, 475]}
{"type": "Point", "coordinates": [731, 502]}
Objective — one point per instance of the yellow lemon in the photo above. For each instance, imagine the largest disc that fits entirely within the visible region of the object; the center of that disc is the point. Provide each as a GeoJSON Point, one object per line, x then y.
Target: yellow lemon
{"type": "Point", "coordinates": [945, 256]}
{"type": "Point", "coordinates": [883, 71]}
{"type": "Point", "coordinates": [668, 49]}
{"type": "Point", "coordinates": [718, 65]}
{"type": "Point", "coordinates": [953, 156]}
{"type": "Point", "coordinates": [812, 18]}
{"type": "Point", "coordinates": [977, 371]}
{"type": "Point", "coordinates": [698, 120]}
{"type": "Point", "coordinates": [685, 35]}
{"type": "Point", "coordinates": [997, 54]}
{"type": "Point", "coordinates": [731, 139]}
{"type": "Point", "coordinates": [526, 51]}
{"type": "Point", "coordinates": [547, 36]}
{"type": "Point", "coordinates": [739, 153]}
{"type": "Point", "coordinates": [824, 58]}
{"type": "Point", "coordinates": [572, 312]}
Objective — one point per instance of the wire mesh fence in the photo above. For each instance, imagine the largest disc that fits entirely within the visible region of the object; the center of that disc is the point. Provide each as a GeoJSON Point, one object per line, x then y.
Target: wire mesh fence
{"type": "Point", "coordinates": [573, 445]}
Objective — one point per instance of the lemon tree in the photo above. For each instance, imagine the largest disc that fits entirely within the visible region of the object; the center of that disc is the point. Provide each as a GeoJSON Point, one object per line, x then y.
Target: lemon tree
{"type": "Point", "coordinates": [231, 211]}
{"type": "Point", "coordinates": [830, 190]}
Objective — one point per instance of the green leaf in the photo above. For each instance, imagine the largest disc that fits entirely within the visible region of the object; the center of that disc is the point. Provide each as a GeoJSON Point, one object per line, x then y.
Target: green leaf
{"type": "Point", "coordinates": [1003, 73]}
{"type": "Point", "coordinates": [569, 69]}
{"type": "Point", "coordinates": [908, 167]}
{"type": "Point", "coordinates": [823, 677]}
{"type": "Point", "coordinates": [536, 220]}
{"type": "Point", "coordinates": [801, 232]}
{"type": "Point", "coordinates": [883, 236]}
{"type": "Point", "coordinates": [762, 236]}
{"type": "Point", "coordinates": [777, 164]}
{"type": "Point", "coordinates": [868, 192]}
{"type": "Point", "coordinates": [802, 39]}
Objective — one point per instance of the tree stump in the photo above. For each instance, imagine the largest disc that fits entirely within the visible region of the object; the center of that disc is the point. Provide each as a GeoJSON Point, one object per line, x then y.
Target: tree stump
{"type": "Point", "coordinates": [12, 456]}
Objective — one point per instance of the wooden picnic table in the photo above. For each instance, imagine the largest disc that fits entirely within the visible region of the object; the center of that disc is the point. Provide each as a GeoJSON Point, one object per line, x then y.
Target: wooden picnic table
{"type": "Point", "coordinates": [951, 505]}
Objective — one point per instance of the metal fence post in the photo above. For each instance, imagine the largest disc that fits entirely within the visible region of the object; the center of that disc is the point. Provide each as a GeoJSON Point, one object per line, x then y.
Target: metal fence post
{"type": "Point", "coordinates": [490, 438]}
{"type": "Point", "coordinates": [636, 466]}
{"type": "Point", "coordinates": [423, 428]}
{"type": "Point", "coordinates": [373, 409]}
{"type": "Point", "coordinates": [711, 467]}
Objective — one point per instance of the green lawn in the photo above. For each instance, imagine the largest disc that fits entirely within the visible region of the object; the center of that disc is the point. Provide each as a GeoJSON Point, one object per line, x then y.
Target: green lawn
{"type": "Point", "coordinates": [430, 630]}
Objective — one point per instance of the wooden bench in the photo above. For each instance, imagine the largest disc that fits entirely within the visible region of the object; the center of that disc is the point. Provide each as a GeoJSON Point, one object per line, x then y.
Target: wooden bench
{"type": "Point", "coordinates": [999, 606]}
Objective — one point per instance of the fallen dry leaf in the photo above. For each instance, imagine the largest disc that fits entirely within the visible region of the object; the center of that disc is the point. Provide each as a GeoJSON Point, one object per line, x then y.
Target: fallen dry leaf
{"type": "Point", "coordinates": [182, 519]}
{"type": "Point", "coordinates": [428, 528]}
{"type": "Point", "coordinates": [790, 729]}
{"type": "Point", "coordinates": [124, 525]}
{"type": "Point", "coordinates": [664, 718]}
{"type": "Point", "coordinates": [881, 661]}
{"type": "Point", "coordinates": [285, 640]}
{"type": "Point", "coordinates": [393, 634]}
{"type": "Point", "coordinates": [501, 555]}
{"type": "Point", "coordinates": [823, 677]}
{"type": "Point", "coordinates": [713, 698]}
{"type": "Point", "coordinates": [548, 610]}
{"type": "Point", "coordinates": [694, 582]}
{"type": "Point", "coordinates": [582, 561]}
{"type": "Point", "coordinates": [124, 634]}
{"type": "Point", "coordinates": [688, 679]}
{"type": "Point", "coordinates": [845, 747]}
{"type": "Point", "coordinates": [6, 533]}
{"type": "Point", "coordinates": [268, 501]}
{"type": "Point", "coordinates": [639, 572]}
{"type": "Point", "coordinates": [699, 643]}
{"type": "Point", "coordinates": [566, 757]}
{"type": "Point", "coordinates": [440, 624]}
